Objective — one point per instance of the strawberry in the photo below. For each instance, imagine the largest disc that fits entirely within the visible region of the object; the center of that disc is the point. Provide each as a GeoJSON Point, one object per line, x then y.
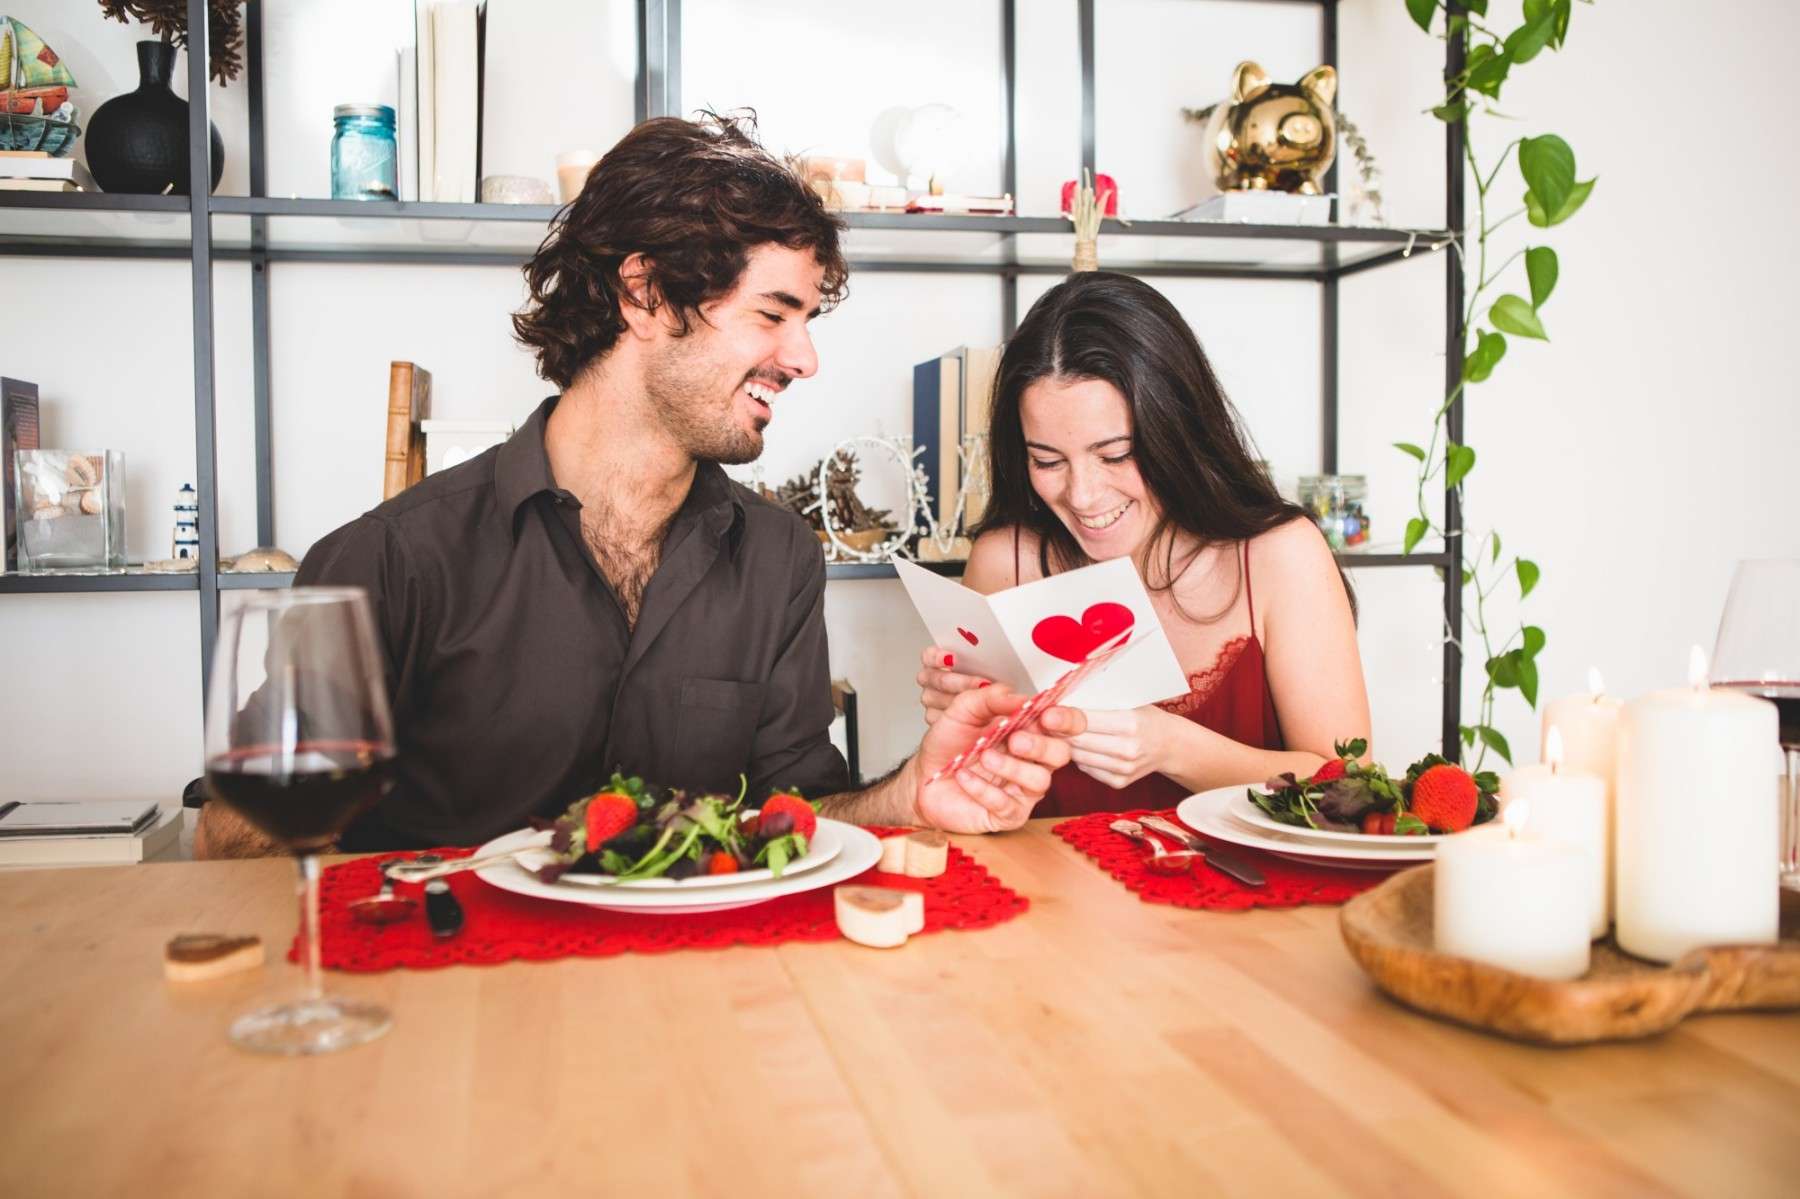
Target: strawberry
{"type": "Point", "coordinates": [783, 813]}
{"type": "Point", "coordinates": [609, 813]}
{"type": "Point", "coordinates": [721, 862]}
{"type": "Point", "coordinates": [1332, 769]}
{"type": "Point", "coordinates": [1444, 797]}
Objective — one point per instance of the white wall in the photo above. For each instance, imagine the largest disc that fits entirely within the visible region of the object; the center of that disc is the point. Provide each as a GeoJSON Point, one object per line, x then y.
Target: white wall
{"type": "Point", "coordinates": [1635, 457]}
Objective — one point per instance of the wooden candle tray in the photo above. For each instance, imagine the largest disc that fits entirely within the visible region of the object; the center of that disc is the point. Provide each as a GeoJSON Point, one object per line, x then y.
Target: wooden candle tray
{"type": "Point", "coordinates": [1389, 934]}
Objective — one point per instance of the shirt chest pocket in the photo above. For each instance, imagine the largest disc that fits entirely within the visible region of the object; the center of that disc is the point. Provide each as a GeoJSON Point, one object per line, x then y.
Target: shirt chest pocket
{"type": "Point", "coordinates": [718, 725]}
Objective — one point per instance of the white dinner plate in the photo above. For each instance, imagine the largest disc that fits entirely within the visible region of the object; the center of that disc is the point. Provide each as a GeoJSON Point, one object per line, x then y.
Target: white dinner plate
{"type": "Point", "coordinates": [1212, 813]}
{"type": "Point", "coordinates": [857, 850]}
{"type": "Point", "coordinates": [824, 846]}
{"type": "Point", "coordinates": [1247, 812]}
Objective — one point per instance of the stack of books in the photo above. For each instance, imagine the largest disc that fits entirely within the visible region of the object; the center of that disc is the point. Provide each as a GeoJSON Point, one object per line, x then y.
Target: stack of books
{"type": "Point", "coordinates": [86, 834]}
{"type": "Point", "coordinates": [36, 171]}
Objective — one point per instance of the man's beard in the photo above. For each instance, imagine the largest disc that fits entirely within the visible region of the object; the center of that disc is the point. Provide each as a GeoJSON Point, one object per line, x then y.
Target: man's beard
{"type": "Point", "coordinates": [697, 403]}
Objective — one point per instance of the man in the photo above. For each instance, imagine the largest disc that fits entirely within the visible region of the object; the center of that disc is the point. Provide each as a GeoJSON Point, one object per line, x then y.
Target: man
{"type": "Point", "coordinates": [595, 594]}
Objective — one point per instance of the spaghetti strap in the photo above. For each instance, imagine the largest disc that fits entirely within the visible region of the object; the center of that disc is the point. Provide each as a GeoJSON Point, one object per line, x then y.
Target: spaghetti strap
{"type": "Point", "coordinates": [1015, 555]}
{"type": "Point", "coordinates": [1249, 594]}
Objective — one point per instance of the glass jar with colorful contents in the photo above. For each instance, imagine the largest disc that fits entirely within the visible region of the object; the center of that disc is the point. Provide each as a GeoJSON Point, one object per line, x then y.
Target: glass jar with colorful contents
{"type": "Point", "coordinates": [1335, 503]}
{"type": "Point", "coordinates": [362, 153]}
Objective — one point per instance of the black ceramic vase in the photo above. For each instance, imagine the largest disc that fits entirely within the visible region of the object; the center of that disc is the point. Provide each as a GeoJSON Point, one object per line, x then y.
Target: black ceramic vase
{"type": "Point", "coordinates": [138, 142]}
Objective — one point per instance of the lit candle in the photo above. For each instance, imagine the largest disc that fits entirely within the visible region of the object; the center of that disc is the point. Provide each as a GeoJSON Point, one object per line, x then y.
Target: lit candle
{"type": "Point", "coordinates": [1589, 722]}
{"type": "Point", "coordinates": [1697, 820]}
{"type": "Point", "coordinates": [1567, 805]}
{"type": "Point", "coordinates": [1517, 902]}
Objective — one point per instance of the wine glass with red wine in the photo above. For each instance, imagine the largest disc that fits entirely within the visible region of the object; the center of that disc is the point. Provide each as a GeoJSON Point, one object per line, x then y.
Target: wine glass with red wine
{"type": "Point", "coordinates": [299, 740]}
{"type": "Point", "coordinates": [1758, 653]}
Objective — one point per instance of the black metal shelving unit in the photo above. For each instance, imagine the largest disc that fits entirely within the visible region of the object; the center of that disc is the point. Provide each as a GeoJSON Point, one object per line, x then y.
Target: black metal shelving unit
{"type": "Point", "coordinates": [257, 229]}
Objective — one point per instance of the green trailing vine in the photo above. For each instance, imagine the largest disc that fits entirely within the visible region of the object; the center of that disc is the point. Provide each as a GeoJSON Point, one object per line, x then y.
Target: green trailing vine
{"type": "Point", "coordinates": [1552, 195]}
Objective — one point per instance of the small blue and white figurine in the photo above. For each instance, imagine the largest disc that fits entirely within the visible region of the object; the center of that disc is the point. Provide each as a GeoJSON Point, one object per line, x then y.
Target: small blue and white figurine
{"type": "Point", "coordinates": [187, 524]}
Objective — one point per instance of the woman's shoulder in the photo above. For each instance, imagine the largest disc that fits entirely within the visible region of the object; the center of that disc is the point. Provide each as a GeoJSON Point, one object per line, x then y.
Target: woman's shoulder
{"type": "Point", "coordinates": [1294, 551]}
{"type": "Point", "coordinates": [993, 563]}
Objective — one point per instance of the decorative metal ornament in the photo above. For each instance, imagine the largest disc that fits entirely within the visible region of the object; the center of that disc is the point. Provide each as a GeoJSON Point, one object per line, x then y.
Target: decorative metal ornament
{"type": "Point", "coordinates": [1273, 136]}
{"type": "Point", "coordinates": [847, 545]}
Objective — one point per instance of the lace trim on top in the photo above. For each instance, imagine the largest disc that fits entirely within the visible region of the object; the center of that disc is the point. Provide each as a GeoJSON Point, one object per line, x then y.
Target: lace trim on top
{"type": "Point", "coordinates": [1203, 683]}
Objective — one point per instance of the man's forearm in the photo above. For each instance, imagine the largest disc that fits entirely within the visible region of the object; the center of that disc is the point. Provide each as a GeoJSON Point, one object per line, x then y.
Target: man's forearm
{"type": "Point", "coordinates": [888, 800]}
{"type": "Point", "coordinates": [220, 832]}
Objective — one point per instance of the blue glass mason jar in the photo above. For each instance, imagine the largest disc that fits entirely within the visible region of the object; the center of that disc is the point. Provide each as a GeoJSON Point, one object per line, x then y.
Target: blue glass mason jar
{"type": "Point", "coordinates": [362, 153]}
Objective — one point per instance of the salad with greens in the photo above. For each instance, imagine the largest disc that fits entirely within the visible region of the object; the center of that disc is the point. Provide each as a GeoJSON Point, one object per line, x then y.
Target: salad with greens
{"type": "Point", "coordinates": [628, 830]}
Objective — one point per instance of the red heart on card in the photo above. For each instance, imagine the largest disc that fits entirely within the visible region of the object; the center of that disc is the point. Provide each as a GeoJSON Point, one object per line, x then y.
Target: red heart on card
{"type": "Point", "coordinates": [1073, 640]}
{"type": "Point", "coordinates": [968, 636]}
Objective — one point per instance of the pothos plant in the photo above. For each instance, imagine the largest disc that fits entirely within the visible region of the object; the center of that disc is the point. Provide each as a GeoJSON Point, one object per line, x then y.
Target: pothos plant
{"type": "Point", "coordinates": [1552, 195]}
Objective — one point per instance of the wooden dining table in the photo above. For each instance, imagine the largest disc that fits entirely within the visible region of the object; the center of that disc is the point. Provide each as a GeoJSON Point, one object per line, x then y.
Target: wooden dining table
{"type": "Point", "coordinates": [1095, 1045]}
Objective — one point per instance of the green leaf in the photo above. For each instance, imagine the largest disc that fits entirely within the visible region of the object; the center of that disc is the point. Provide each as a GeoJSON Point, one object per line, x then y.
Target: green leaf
{"type": "Point", "coordinates": [1541, 268]}
{"type": "Point", "coordinates": [1564, 9]}
{"type": "Point", "coordinates": [1534, 640]}
{"type": "Point", "coordinates": [1410, 448]}
{"type": "Point", "coordinates": [1548, 166]}
{"type": "Point", "coordinates": [1504, 670]}
{"type": "Point", "coordinates": [1416, 528]}
{"type": "Point", "coordinates": [1490, 348]}
{"type": "Point", "coordinates": [1468, 735]}
{"type": "Point", "coordinates": [1491, 738]}
{"type": "Point", "coordinates": [1460, 460]}
{"type": "Point", "coordinates": [1496, 556]}
{"type": "Point", "coordinates": [1528, 680]}
{"type": "Point", "coordinates": [1516, 315]}
{"type": "Point", "coordinates": [1468, 576]}
{"type": "Point", "coordinates": [1528, 575]}
{"type": "Point", "coordinates": [1487, 71]}
{"type": "Point", "coordinates": [1451, 113]}
{"type": "Point", "coordinates": [1524, 43]}
{"type": "Point", "coordinates": [1478, 7]}
{"type": "Point", "coordinates": [1535, 9]}
{"type": "Point", "coordinates": [1408, 825]}
{"type": "Point", "coordinates": [1421, 12]}
{"type": "Point", "coordinates": [1534, 210]}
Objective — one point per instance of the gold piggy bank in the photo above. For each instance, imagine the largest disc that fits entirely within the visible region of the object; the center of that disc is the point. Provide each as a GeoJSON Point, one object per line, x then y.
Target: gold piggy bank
{"type": "Point", "coordinates": [1273, 136]}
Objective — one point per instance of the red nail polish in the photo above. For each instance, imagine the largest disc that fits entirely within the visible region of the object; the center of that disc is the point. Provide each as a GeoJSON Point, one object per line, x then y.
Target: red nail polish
{"type": "Point", "coordinates": [949, 661]}
{"type": "Point", "coordinates": [984, 682]}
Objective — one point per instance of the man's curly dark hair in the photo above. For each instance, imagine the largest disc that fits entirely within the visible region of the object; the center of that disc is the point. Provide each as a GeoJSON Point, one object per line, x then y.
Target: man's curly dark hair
{"type": "Point", "coordinates": [693, 197]}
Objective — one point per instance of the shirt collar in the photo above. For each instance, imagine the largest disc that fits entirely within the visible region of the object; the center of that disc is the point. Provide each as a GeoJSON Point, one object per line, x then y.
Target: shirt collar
{"type": "Point", "coordinates": [522, 471]}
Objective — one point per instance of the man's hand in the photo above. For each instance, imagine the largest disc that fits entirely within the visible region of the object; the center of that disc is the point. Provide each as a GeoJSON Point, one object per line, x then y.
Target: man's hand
{"type": "Point", "coordinates": [1000, 791]}
{"type": "Point", "coordinates": [1119, 748]}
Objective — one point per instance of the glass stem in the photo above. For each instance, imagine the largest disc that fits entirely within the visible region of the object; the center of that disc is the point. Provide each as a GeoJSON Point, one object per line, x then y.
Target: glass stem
{"type": "Point", "coordinates": [1790, 817]}
{"type": "Point", "coordinates": [309, 923]}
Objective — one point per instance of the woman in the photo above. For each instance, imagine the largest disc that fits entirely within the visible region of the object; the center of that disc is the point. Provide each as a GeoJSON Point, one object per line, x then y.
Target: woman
{"type": "Point", "coordinates": [1110, 437]}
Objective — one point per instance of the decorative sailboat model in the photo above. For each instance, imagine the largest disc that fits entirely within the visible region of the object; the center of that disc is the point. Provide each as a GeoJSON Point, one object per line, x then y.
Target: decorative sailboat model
{"type": "Point", "coordinates": [35, 113]}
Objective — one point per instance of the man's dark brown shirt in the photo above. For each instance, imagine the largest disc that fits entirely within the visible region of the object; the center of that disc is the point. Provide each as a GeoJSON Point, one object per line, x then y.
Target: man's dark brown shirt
{"type": "Point", "coordinates": [516, 683]}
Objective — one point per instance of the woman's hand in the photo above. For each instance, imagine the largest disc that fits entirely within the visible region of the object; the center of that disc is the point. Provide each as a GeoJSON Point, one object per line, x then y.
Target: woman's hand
{"type": "Point", "coordinates": [1119, 748]}
{"type": "Point", "coordinates": [939, 684]}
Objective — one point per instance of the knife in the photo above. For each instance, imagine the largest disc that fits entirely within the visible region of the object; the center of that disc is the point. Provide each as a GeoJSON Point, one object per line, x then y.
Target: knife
{"type": "Point", "coordinates": [442, 911]}
{"type": "Point", "coordinates": [1225, 862]}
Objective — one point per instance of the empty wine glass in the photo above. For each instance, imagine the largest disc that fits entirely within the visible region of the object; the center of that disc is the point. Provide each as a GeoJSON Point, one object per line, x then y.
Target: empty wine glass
{"type": "Point", "coordinates": [299, 740]}
{"type": "Point", "coordinates": [1758, 652]}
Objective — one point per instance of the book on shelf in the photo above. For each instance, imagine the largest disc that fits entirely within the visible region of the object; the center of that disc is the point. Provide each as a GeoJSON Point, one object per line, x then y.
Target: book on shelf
{"type": "Point", "coordinates": [406, 121]}
{"type": "Point", "coordinates": [157, 836]}
{"type": "Point", "coordinates": [456, 91]}
{"type": "Point", "coordinates": [952, 395]}
{"type": "Point", "coordinates": [18, 431]}
{"type": "Point", "coordinates": [19, 167]}
{"type": "Point", "coordinates": [425, 101]}
{"type": "Point", "coordinates": [409, 404]}
{"type": "Point", "coordinates": [10, 184]}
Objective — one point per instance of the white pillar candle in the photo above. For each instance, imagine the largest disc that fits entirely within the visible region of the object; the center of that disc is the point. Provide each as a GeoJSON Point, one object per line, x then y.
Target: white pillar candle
{"type": "Point", "coordinates": [1568, 806]}
{"type": "Point", "coordinates": [1697, 821]}
{"type": "Point", "coordinates": [1518, 902]}
{"type": "Point", "coordinates": [1589, 722]}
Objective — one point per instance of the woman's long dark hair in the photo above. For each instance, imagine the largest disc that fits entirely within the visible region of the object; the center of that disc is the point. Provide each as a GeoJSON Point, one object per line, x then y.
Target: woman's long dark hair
{"type": "Point", "coordinates": [1187, 439]}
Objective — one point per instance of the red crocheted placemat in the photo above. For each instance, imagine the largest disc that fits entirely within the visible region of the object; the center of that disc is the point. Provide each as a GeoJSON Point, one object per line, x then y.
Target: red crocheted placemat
{"type": "Point", "coordinates": [499, 926]}
{"type": "Point", "coordinates": [1288, 883]}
